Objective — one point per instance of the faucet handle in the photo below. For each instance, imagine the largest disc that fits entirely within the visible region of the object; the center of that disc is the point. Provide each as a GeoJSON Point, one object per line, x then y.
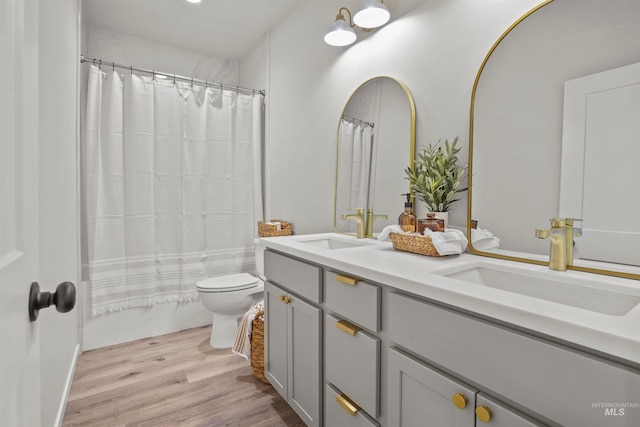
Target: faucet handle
{"type": "Point", "coordinates": [558, 222]}
{"type": "Point", "coordinates": [359, 211]}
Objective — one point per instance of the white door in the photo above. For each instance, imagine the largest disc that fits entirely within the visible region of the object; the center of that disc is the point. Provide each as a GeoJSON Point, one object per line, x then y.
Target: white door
{"type": "Point", "coordinates": [600, 151]}
{"type": "Point", "coordinates": [20, 350]}
{"type": "Point", "coordinates": [38, 205]}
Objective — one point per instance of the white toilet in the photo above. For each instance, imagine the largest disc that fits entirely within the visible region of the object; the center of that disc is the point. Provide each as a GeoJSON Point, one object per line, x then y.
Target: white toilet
{"type": "Point", "coordinates": [229, 297]}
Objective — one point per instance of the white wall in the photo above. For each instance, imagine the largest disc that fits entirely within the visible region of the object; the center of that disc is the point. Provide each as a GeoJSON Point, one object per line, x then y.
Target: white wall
{"type": "Point", "coordinates": [436, 50]}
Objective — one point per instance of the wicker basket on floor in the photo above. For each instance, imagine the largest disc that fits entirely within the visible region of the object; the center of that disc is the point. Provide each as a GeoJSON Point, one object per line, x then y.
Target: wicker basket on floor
{"type": "Point", "coordinates": [270, 230]}
{"type": "Point", "coordinates": [413, 243]}
{"type": "Point", "coordinates": [257, 347]}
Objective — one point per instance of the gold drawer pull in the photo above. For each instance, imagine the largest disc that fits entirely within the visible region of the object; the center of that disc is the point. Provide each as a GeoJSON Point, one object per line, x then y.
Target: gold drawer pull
{"type": "Point", "coordinates": [460, 400]}
{"type": "Point", "coordinates": [285, 299]}
{"type": "Point", "coordinates": [347, 404]}
{"type": "Point", "coordinates": [483, 413]}
{"type": "Point", "coordinates": [347, 280]}
{"type": "Point", "coordinates": [349, 328]}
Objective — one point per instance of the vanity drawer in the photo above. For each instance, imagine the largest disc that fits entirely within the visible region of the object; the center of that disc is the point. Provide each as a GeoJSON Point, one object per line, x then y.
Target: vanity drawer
{"type": "Point", "coordinates": [352, 362]}
{"type": "Point", "coordinates": [295, 275]}
{"type": "Point", "coordinates": [354, 299]}
{"type": "Point", "coordinates": [545, 377]}
{"type": "Point", "coordinates": [336, 415]}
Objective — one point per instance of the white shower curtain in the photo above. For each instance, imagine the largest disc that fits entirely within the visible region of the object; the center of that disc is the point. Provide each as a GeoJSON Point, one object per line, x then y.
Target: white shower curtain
{"type": "Point", "coordinates": [354, 166]}
{"type": "Point", "coordinates": [173, 188]}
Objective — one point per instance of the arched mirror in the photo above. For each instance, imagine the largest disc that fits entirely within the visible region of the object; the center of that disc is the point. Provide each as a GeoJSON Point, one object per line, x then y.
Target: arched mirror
{"type": "Point", "coordinates": [375, 143]}
{"type": "Point", "coordinates": [526, 162]}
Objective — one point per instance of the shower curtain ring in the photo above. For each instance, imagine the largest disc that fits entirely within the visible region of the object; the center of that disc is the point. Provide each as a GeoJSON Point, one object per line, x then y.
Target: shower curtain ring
{"type": "Point", "coordinates": [100, 66]}
{"type": "Point", "coordinates": [191, 82]}
{"type": "Point", "coordinates": [131, 67]}
{"type": "Point", "coordinates": [206, 84]}
{"type": "Point", "coordinates": [174, 79]}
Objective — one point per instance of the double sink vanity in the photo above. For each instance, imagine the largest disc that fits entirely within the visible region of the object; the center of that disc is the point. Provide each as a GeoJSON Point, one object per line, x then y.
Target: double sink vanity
{"type": "Point", "coordinates": [359, 334]}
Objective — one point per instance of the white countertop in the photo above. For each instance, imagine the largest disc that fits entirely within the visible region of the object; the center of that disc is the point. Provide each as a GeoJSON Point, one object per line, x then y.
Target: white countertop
{"type": "Point", "coordinates": [617, 335]}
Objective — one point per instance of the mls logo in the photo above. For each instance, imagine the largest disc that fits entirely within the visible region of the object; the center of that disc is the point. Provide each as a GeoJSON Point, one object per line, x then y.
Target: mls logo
{"type": "Point", "coordinates": [615, 412]}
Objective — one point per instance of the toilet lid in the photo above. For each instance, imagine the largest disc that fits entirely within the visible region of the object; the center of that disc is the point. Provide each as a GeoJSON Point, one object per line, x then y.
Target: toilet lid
{"type": "Point", "coordinates": [231, 282]}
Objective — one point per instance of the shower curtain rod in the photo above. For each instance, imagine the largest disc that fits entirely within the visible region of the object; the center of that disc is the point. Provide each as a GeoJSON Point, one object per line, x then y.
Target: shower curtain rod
{"type": "Point", "coordinates": [357, 121]}
{"type": "Point", "coordinates": [205, 83]}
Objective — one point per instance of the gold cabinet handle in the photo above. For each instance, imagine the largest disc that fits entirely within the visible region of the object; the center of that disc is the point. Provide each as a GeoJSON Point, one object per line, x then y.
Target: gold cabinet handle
{"type": "Point", "coordinates": [460, 400]}
{"type": "Point", "coordinates": [347, 327]}
{"type": "Point", "coordinates": [285, 299]}
{"type": "Point", "coordinates": [347, 404]}
{"type": "Point", "coordinates": [347, 280]}
{"type": "Point", "coordinates": [483, 413]}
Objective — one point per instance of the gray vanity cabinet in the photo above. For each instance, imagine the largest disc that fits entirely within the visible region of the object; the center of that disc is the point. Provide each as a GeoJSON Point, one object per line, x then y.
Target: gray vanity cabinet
{"type": "Point", "coordinates": [293, 336]}
{"type": "Point", "coordinates": [418, 395]}
{"type": "Point", "coordinates": [547, 380]}
{"type": "Point", "coordinates": [352, 347]}
{"type": "Point", "coordinates": [422, 395]}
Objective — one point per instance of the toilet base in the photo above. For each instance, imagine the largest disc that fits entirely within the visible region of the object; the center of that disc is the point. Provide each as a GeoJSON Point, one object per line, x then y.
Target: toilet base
{"type": "Point", "coordinates": [223, 331]}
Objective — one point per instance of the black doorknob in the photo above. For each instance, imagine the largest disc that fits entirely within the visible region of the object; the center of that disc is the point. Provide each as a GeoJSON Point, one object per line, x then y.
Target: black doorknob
{"type": "Point", "coordinates": [64, 298]}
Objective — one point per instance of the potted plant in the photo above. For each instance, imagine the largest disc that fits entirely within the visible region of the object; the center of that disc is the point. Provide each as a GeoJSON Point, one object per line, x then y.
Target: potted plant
{"type": "Point", "coordinates": [436, 175]}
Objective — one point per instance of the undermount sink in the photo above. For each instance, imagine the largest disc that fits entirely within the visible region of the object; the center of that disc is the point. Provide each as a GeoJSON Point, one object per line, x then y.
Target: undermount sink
{"type": "Point", "coordinates": [587, 295]}
{"type": "Point", "coordinates": [334, 242]}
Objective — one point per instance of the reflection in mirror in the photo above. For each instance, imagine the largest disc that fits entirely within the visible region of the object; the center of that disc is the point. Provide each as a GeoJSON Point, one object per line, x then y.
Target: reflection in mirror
{"type": "Point", "coordinates": [518, 144]}
{"type": "Point", "coordinates": [375, 143]}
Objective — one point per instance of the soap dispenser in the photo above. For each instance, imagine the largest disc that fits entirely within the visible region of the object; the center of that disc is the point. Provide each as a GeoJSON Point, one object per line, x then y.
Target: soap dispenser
{"type": "Point", "coordinates": [407, 220]}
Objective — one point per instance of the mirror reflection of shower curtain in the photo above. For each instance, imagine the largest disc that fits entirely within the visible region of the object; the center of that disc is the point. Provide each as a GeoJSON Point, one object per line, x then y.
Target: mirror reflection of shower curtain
{"type": "Point", "coordinates": [355, 142]}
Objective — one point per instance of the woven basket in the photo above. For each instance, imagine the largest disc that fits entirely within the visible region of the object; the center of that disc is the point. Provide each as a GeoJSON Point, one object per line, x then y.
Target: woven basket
{"type": "Point", "coordinates": [413, 243]}
{"type": "Point", "coordinates": [269, 230]}
{"type": "Point", "coordinates": [257, 347]}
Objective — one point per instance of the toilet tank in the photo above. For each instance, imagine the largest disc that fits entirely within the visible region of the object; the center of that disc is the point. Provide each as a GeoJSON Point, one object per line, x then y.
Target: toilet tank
{"type": "Point", "coordinates": [259, 247]}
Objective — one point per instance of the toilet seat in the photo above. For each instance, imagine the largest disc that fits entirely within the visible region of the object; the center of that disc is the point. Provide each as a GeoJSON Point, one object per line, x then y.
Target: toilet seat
{"type": "Point", "coordinates": [228, 283]}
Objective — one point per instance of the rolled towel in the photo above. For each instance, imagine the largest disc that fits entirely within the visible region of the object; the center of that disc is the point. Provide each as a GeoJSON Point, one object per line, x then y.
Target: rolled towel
{"type": "Point", "coordinates": [449, 242]}
{"type": "Point", "coordinates": [384, 234]}
{"type": "Point", "coordinates": [483, 239]}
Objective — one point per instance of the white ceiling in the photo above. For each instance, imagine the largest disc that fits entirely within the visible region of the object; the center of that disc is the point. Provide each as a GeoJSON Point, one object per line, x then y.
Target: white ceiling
{"type": "Point", "coordinates": [227, 28]}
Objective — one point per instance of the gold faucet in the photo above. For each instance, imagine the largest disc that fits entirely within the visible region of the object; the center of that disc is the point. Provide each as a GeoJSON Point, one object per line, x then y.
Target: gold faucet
{"type": "Point", "coordinates": [561, 234]}
{"type": "Point", "coordinates": [370, 218]}
{"type": "Point", "coordinates": [359, 218]}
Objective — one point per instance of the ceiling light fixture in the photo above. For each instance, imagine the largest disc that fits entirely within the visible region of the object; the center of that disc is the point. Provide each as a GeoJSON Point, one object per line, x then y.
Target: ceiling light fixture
{"type": "Point", "coordinates": [375, 14]}
{"type": "Point", "coordinates": [194, 1]}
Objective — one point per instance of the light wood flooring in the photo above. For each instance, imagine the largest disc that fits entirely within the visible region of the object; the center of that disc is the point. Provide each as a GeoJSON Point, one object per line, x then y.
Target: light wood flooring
{"type": "Point", "coordinates": [172, 380]}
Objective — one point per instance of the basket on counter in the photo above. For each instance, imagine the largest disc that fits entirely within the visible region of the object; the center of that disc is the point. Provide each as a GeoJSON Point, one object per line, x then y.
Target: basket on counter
{"type": "Point", "coordinates": [413, 243]}
{"type": "Point", "coordinates": [271, 230]}
{"type": "Point", "coordinates": [257, 347]}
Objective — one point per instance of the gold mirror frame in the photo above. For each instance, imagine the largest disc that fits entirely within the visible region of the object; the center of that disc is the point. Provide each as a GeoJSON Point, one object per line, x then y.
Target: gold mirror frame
{"type": "Point", "coordinates": [412, 141]}
{"type": "Point", "coordinates": [470, 175]}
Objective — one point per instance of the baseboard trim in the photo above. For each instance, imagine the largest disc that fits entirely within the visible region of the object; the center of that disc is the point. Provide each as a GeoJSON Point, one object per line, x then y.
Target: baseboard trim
{"type": "Point", "coordinates": [67, 388]}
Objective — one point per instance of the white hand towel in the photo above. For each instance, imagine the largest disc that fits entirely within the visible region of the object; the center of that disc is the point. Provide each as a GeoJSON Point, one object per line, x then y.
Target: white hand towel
{"type": "Point", "coordinates": [484, 240]}
{"type": "Point", "coordinates": [449, 242]}
{"type": "Point", "coordinates": [384, 234]}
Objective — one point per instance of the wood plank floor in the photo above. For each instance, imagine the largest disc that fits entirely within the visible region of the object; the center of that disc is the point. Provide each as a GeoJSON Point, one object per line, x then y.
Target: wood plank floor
{"type": "Point", "coordinates": [172, 380]}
